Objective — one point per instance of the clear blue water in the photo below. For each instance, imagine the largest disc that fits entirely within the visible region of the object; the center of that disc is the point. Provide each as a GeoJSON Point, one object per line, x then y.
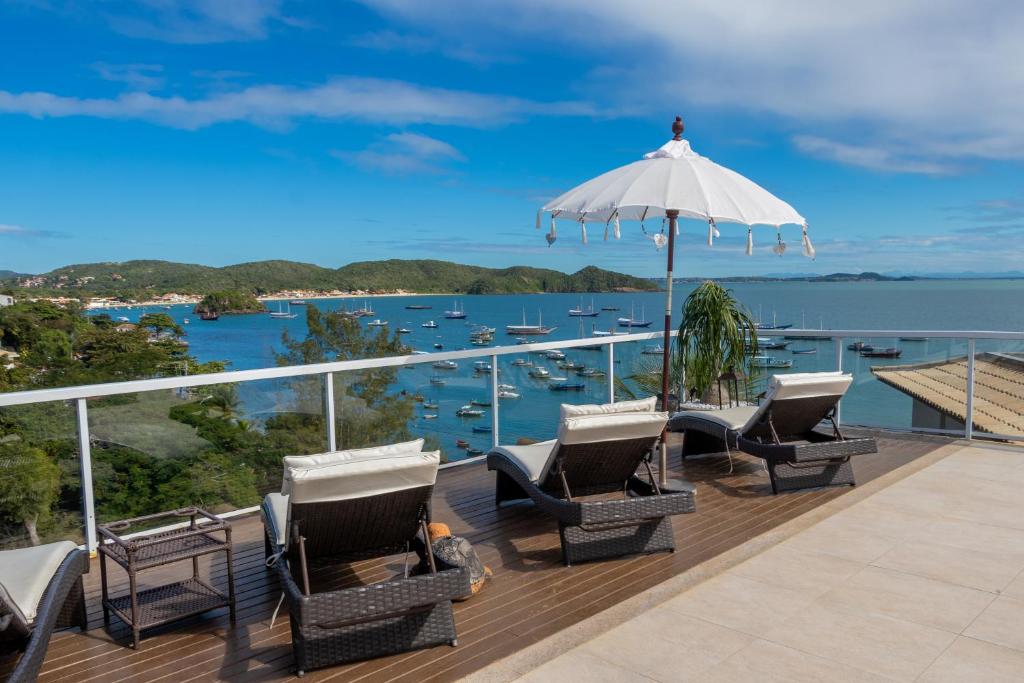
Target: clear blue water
{"type": "Point", "coordinates": [249, 341]}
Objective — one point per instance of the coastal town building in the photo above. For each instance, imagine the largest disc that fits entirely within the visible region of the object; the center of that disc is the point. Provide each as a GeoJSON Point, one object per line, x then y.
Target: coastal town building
{"type": "Point", "coordinates": [6, 300]}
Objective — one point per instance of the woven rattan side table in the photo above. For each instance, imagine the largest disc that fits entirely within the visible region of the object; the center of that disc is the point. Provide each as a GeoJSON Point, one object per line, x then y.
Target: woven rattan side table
{"type": "Point", "coordinates": [204, 534]}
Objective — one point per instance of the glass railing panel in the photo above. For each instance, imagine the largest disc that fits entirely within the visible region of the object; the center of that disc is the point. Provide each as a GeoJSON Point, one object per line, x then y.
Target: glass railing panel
{"type": "Point", "coordinates": [40, 484]}
{"type": "Point", "coordinates": [536, 384]}
{"type": "Point", "coordinates": [999, 389]}
{"type": "Point", "coordinates": [907, 383]}
{"type": "Point", "coordinates": [218, 447]}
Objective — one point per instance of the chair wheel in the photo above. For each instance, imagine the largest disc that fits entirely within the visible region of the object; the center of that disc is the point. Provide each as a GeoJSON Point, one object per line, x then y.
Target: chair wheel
{"type": "Point", "coordinates": [455, 642]}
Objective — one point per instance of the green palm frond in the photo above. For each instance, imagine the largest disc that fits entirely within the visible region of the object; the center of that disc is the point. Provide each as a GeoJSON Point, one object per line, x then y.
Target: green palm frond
{"type": "Point", "coordinates": [716, 333]}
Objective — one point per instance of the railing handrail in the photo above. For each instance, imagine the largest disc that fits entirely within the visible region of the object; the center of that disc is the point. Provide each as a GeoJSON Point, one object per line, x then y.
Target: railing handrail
{"type": "Point", "coordinates": [14, 398]}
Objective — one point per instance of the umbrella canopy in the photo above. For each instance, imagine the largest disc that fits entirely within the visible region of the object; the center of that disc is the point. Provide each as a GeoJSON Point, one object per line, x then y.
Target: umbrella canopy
{"type": "Point", "coordinates": [670, 182]}
{"type": "Point", "coordinates": [673, 179]}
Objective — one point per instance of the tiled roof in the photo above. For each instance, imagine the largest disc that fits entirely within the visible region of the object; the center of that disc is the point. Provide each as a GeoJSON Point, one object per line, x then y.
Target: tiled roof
{"type": "Point", "coordinates": [998, 389]}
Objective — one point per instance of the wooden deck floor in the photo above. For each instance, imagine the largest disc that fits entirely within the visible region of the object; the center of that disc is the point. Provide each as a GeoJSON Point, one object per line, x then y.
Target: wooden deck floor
{"type": "Point", "coordinates": [531, 596]}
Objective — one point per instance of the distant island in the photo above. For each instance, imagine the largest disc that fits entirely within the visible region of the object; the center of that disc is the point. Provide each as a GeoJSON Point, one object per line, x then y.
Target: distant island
{"type": "Point", "coordinates": [150, 280]}
{"type": "Point", "coordinates": [833, 277]}
{"type": "Point", "coordinates": [229, 303]}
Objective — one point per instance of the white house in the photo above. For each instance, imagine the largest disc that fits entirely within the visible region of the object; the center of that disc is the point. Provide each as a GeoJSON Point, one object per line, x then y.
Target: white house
{"type": "Point", "coordinates": [6, 300]}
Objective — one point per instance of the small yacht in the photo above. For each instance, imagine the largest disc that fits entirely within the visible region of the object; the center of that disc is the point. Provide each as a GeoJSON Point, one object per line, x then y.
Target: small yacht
{"type": "Point", "coordinates": [429, 324]}
{"type": "Point", "coordinates": [456, 313]}
{"type": "Point", "coordinates": [377, 322]}
{"type": "Point", "coordinates": [656, 350]}
{"type": "Point", "coordinates": [521, 362]}
{"type": "Point", "coordinates": [404, 330]}
{"type": "Point", "coordinates": [507, 394]}
{"type": "Point", "coordinates": [482, 366]}
{"type": "Point", "coordinates": [523, 329]}
{"type": "Point", "coordinates": [437, 381]}
{"type": "Point", "coordinates": [539, 373]}
{"type": "Point", "coordinates": [590, 372]}
{"type": "Point", "coordinates": [469, 411]}
{"type": "Point", "coordinates": [446, 365]}
{"type": "Point", "coordinates": [580, 312]}
{"type": "Point", "coordinates": [633, 321]}
{"type": "Point", "coordinates": [769, 362]}
{"type": "Point", "coordinates": [279, 313]}
{"type": "Point", "coordinates": [554, 354]}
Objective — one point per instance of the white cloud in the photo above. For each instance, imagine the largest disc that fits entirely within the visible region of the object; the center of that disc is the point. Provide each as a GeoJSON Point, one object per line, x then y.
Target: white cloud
{"type": "Point", "coordinates": [414, 44]}
{"type": "Point", "coordinates": [936, 79]}
{"type": "Point", "coordinates": [7, 230]}
{"type": "Point", "coordinates": [195, 21]}
{"type": "Point", "coordinates": [403, 153]}
{"type": "Point", "coordinates": [874, 158]}
{"type": "Point", "coordinates": [276, 106]}
{"type": "Point", "coordinates": [143, 77]}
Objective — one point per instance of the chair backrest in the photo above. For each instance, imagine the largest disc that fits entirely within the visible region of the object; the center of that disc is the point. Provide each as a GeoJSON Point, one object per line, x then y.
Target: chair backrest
{"type": "Point", "coordinates": [602, 445]}
{"type": "Point", "coordinates": [797, 403]}
{"type": "Point", "coordinates": [359, 502]}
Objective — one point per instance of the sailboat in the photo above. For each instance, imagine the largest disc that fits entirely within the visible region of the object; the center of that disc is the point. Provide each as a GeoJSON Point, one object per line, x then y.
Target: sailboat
{"type": "Point", "coordinates": [579, 312]}
{"type": "Point", "coordinates": [281, 313]}
{"type": "Point", "coordinates": [632, 320]}
{"type": "Point", "coordinates": [456, 313]}
{"type": "Point", "coordinates": [529, 329]}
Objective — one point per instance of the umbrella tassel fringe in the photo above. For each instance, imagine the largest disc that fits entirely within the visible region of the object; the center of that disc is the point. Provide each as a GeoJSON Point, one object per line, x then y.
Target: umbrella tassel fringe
{"type": "Point", "coordinates": [808, 247]}
{"type": "Point", "coordinates": [750, 241]}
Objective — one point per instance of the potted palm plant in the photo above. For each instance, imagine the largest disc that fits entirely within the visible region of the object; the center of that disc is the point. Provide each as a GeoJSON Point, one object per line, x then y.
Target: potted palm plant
{"type": "Point", "coordinates": [716, 335]}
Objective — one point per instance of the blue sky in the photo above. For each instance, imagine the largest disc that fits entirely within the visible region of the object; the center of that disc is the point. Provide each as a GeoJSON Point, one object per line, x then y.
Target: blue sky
{"type": "Point", "coordinates": [220, 132]}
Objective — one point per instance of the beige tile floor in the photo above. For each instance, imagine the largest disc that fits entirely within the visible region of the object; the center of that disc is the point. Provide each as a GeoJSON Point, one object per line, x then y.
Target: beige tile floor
{"type": "Point", "coordinates": [922, 581]}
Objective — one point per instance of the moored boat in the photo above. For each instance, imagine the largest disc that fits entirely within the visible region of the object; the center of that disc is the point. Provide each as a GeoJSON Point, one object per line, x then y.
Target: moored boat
{"type": "Point", "coordinates": [891, 352]}
{"type": "Point", "coordinates": [567, 386]}
{"type": "Point", "coordinates": [537, 329]}
{"type": "Point", "coordinates": [446, 365]}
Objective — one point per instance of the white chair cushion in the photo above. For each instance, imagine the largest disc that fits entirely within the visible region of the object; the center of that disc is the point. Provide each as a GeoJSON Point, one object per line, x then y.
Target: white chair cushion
{"type": "Point", "coordinates": [730, 418]}
{"type": "Point", "coordinates": [533, 459]}
{"type": "Point", "coordinates": [808, 385]}
{"type": "Point", "coordinates": [611, 427]}
{"type": "Point", "coordinates": [26, 572]}
{"type": "Point", "coordinates": [645, 405]}
{"type": "Point", "coordinates": [332, 457]}
{"type": "Point", "coordinates": [360, 476]}
{"type": "Point", "coordinates": [275, 518]}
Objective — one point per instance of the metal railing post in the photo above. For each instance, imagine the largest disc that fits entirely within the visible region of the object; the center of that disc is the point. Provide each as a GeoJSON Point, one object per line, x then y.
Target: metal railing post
{"type": "Point", "coordinates": [611, 372]}
{"type": "Point", "coordinates": [839, 368]}
{"type": "Point", "coordinates": [85, 475]}
{"type": "Point", "coordinates": [495, 418]}
{"type": "Point", "coordinates": [332, 437]}
{"type": "Point", "coordinates": [969, 408]}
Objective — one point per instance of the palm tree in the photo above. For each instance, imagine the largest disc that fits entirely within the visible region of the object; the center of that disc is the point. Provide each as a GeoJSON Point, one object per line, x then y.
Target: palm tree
{"type": "Point", "coordinates": [716, 334]}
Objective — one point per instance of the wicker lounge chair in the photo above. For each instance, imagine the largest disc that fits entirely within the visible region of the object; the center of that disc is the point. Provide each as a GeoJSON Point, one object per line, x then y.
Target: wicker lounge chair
{"type": "Point", "coordinates": [781, 431]}
{"type": "Point", "coordinates": [40, 591]}
{"type": "Point", "coordinates": [598, 450]}
{"type": "Point", "coordinates": [351, 505]}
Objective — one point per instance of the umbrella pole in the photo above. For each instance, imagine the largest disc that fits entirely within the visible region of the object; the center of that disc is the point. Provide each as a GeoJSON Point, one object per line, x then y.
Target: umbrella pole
{"type": "Point", "coordinates": [673, 217]}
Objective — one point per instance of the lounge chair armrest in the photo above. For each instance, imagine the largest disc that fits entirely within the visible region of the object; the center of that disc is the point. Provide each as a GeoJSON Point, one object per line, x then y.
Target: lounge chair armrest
{"type": "Point", "coordinates": [636, 507]}
{"type": "Point", "coordinates": [375, 600]}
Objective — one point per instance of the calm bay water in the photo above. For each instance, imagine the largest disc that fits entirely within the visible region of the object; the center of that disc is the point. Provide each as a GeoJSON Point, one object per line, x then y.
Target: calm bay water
{"type": "Point", "coordinates": [250, 341]}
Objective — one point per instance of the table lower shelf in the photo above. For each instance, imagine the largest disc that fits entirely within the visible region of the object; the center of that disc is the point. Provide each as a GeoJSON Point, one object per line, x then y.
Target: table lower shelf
{"type": "Point", "coordinates": [168, 603]}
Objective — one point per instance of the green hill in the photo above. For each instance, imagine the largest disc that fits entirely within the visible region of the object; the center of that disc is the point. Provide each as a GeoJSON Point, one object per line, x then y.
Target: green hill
{"type": "Point", "coordinates": [138, 279]}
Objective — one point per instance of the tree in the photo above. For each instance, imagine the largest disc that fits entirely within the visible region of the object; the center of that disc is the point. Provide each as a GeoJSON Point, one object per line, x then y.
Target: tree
{"type": "Point", "coordinates": [29, 482]}
{"type": "Point", "coordinates": [160, 323]}
{"type": "Point", "coordinates": [716, 334]}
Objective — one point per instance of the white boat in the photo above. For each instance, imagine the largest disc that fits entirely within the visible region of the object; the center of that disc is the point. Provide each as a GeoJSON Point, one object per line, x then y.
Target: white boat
{"type": "Point", "coordinates": [558, 379]}
{"type": "Point", "coordinates": [404, 330]}
{"type": "Point", "coordinates": [580, 312]}
{"type": "Point", "coordinates": [430, 416]}
{"type": "Point", "coordinates": [538, 329]}
{"type": "Point", "coordinates": [279, 313]}
{"type": "Point", "coordinates": [482, 366]}
{"type": "Point", "coordinates": [590, 372]}
{"type": "Point", "coordinates": [430, 323]}
{"type": "Point", "coordinates": [439, 381]}
{"type": "Point", "coordinates": [555, 354]}
{"type": "Point", "coordinates": [506, 387]}
{"type": "Point", "coordinates": [377, 322]}
{"type": "Point", "coordinates": [456, 313]}
{"type": "Point", "coordinates": [540, 373]}
{"type": "Point", "coordinates": [606, 333]}
{"type": "Point", "coordinates": [469, 411]}
{"type": "Point", "coordinates": [656, 350]}
{"type": "Point", "coordinates": [633, 321]}
{"type": "Point", "coordinates": [123, 319]}
{"type": "Point", "coordinates": [186, 321]}
{"type": "Point", "coordinates": [446, 365]}
{"type": "Point", "coordinates": [521, 362]}
{"type": "Point", "coordinates": [769, 362]}
{"type": "Point", "coordinates": [507, 394]}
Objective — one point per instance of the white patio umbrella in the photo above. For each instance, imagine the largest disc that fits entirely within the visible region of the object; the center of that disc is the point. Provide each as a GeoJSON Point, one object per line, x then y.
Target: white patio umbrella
{"type": "Point", "coordinates": [669, 183]}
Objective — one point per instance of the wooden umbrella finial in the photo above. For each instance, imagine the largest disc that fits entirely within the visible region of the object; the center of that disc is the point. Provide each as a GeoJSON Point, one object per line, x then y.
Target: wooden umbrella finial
{"type": "Point", "coordinates": [677, 128]}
